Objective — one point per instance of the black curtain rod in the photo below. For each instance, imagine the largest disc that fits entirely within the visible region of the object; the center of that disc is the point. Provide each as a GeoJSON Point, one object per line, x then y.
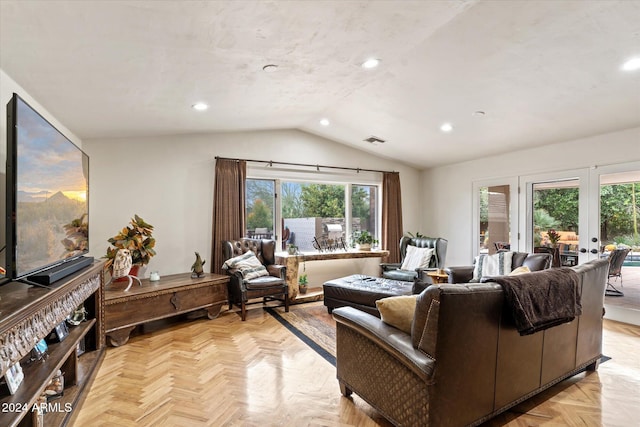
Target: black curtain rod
{"type": "Point", "coordinates": [271, 163]}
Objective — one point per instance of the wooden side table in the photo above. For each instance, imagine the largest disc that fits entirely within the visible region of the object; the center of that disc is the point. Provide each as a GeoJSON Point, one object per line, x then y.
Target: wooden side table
{"type": "Point", "coordinates": [438, 276]}
{"type": "Point", "coordinates": [171, 295]}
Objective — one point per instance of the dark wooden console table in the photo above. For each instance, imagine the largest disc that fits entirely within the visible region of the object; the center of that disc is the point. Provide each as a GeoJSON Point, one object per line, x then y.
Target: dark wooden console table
{"type": "Point", "coordinates": [171, 295]}
{"type": "Point", "coordinates": [30, 313]}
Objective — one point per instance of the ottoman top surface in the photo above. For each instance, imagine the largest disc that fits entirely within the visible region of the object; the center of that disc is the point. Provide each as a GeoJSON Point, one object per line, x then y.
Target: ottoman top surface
{"type": "Point", "coordinates": [373, 284]}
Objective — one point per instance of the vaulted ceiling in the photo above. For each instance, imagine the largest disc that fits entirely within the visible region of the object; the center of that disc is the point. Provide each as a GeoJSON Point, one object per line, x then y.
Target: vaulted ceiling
{"type": "Point", "coordinates": [506, 75]}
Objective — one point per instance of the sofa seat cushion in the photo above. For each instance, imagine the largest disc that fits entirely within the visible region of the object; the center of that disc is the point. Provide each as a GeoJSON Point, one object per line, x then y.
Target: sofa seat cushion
{"type": "Point", "coordinates": [402, 275]}
{"type": "Point", "coordinates": [398, 311]}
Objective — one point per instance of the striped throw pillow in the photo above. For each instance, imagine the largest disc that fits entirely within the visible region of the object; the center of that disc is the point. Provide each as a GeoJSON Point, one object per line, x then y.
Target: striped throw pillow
{"type": "Point", "coordinates": [492, 265]}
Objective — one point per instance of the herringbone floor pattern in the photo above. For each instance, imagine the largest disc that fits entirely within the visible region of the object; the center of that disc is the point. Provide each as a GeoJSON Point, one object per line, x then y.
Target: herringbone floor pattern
{"type": "Point", "coordinates": [225, 372]}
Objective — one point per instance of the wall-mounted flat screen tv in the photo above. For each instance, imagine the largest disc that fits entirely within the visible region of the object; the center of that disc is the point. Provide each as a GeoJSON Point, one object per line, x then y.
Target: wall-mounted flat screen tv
{"type": "Point", "coordinates": [47, 194]}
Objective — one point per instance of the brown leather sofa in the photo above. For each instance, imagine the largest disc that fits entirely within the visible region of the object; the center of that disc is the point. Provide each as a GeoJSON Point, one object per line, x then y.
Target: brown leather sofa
{"type": "Point", "coordinates": [535, 262]}
{"type": "Point", "coordinates": [464, 361]}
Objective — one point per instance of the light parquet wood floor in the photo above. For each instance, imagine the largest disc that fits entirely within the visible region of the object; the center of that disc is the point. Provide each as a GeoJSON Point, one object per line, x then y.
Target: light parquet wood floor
{"type": "Point", "coordinates": [225, 372]}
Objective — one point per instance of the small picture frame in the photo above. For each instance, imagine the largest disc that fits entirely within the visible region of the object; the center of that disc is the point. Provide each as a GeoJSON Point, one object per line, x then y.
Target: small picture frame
{"type": "Point", "coordinates": [39, 352]}
{"type": "Point", "coordinates": [59, 333]}
{"type": "Point", "coordinates": [14, 377]}
{"type": "Point", "coordinates": [80, 348]}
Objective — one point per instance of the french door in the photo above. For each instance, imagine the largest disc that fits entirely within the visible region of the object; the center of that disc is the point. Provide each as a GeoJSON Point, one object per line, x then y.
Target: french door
{"type": "Point", "coordinates": [592, 208]}
{"type": "Point", "coordinates": [614, 209]}
{"type": "Point", "coordinates": [558, 201]}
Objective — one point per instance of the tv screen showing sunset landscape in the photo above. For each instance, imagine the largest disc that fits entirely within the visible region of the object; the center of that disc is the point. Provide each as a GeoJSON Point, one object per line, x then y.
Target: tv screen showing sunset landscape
{"type": "Point", "coordinates": [51, 190]}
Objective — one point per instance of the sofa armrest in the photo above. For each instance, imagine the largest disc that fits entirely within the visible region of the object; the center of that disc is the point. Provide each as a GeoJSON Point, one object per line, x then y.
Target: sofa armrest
{"type": "Point", "coordinates": [277, 270]}
{"type": "Point", "coordinates": [390, 339]}
{"type": "Point", "coordinates": [388, 266]}
{"type": "Point", "coordinates": [459, 274]}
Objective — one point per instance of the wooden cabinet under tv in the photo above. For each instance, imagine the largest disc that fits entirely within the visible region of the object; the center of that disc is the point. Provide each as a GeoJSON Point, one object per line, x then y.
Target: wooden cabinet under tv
{"type": "Point", "coordinates": [30, 313]}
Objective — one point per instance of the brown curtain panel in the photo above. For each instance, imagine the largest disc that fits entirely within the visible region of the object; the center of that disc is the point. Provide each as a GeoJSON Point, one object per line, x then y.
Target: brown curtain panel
{"type": "Point", "coordinates": [228, 206]}
{"type": "Point", "coordinates": [391, 215]}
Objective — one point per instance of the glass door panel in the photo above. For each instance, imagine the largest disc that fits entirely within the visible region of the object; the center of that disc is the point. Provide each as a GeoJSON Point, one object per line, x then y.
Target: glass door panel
{"type": "Point", "coordinates": [617, 206]}
{"type": "Point", "coordinates": [558, 202]}
{"type": "Point", "coordinates": [556, 212]}
{"type": "Point", "coordinates": [495, 218]}
{"type": "Point", "coordinates": [620, 210]}
{"type": "Point", "coordinates": [495, 225]}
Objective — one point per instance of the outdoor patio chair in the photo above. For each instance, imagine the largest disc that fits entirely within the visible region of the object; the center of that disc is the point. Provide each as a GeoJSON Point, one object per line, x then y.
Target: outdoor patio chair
{"type": "Point", "coordinates": [616, 258]}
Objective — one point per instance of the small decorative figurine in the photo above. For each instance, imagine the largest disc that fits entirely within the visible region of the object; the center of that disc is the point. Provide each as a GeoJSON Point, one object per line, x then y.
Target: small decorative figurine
{"type": "Point", "coordinates": [197, 269]}
{"type": "Point", "coordinates": [122, 263]}
{"type": "Point", "coordinates": [122, 266]}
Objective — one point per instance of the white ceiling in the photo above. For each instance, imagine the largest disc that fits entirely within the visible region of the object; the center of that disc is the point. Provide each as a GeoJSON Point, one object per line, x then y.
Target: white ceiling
{"type": "Point", "coordinates": [542, 71]}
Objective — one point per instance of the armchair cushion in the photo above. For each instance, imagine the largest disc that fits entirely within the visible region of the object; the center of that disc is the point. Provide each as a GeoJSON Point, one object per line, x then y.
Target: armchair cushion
{"type": "Point", "coordinates": [417, 258]}
{"type": "Point", "coordinates": [398, 311]}
{"type": "Point", "coordinates": [262, 282]}
{"type": "Point", "coordinates": [247, 264]}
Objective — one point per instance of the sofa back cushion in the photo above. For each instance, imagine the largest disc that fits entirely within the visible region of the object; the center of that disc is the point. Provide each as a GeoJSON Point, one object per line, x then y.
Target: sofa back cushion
{"type": "Point", "coordinates": [537, 262]}
{"type": "Point", "coordinates": [518, 259]}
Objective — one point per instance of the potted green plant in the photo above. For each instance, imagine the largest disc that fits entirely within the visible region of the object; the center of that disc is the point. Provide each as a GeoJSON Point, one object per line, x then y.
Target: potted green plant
{"type": "Point", "coordinates": [137, 237]}
{"type": "Point", "coordinates": [303, 282]}
{"type": "Point", "coordinates": [363, 240]}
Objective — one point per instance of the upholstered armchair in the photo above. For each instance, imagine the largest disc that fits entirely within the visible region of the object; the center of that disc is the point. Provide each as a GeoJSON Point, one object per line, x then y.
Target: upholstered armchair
{"type": "Point", "coordinates": [394, 270]}
{"type": "Point", "coordinates": [534, 261]}
{"type": "Point", "coordinates": [243, 286]}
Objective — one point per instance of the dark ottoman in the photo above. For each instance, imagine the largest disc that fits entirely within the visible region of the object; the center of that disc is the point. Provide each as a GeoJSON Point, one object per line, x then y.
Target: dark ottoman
{"type": "Point", "coordinates": [362, 292]}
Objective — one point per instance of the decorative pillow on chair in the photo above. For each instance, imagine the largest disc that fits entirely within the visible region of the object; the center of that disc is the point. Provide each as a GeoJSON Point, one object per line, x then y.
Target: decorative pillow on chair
{"type": "Point", "coordinates": [247, 264]}
{"type": "Point", "coordinates": [492, 265]}
{"type": "Point", "coordinates": [416, 258]}
{"type": "Point", "coordinates": [398, 311]}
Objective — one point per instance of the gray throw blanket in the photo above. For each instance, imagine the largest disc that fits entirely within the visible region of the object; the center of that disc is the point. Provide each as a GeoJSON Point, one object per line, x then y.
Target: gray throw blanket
{"type": "Point", "coordinates": [542, 299]}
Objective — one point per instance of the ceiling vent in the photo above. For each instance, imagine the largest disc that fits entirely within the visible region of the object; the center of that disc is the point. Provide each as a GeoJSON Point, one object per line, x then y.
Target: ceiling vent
{"type": "Point", "coordinates": [374, 140]}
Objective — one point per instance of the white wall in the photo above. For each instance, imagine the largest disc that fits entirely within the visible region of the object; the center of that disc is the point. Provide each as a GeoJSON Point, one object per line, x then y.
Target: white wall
{"type": "Point", "coordinates": [168, 181]}
{"type": "Point", "coordinates": [447, 190]}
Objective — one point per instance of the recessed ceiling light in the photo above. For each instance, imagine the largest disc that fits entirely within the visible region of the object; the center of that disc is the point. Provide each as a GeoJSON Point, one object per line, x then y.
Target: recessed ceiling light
{"type": "Point", "coordinates": [325, 122]}
{"type": "Point", "coordinates": [270, 68]}
{"type": "Point", "coordinates": [479, 113]}
{"type": "Point", "coordinates": [631, 65]}
{"type": "Point", "coordinates": [446, 127]}
{"type": "Point", "coordinates": [371, 63]}
{"type": "Point", "coordinates": [200, 106]}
